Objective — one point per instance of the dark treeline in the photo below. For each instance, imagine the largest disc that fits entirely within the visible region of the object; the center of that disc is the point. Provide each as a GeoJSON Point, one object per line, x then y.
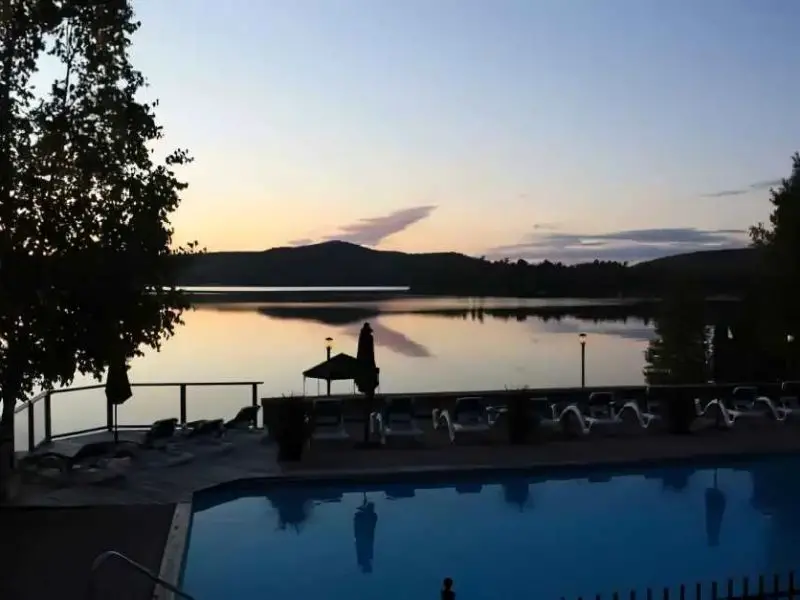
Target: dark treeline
{"type": "Point", "coordinates": [759, 341]}
{"type": "Point", "coordinates": [695, 345]}
{"type": "Point", "coordinates": [341, 264]}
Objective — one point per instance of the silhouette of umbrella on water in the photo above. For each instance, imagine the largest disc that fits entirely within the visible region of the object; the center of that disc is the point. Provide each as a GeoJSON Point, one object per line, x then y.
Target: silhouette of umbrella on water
{"type": "Point", "coordinates": [367, 379]}
{"type": "Point", "coordinates": [364, 524]}
{"type": "Point", "coordinates": [715, 509]}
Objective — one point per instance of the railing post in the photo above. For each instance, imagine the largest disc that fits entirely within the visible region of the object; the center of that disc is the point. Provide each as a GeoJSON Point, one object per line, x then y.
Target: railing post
{"type": "Point", "coordinates": [31, 425]}
{"type": "Point", "coordinates": [48, 419]}
{"type": "Point", "coordinates": [183, 404]}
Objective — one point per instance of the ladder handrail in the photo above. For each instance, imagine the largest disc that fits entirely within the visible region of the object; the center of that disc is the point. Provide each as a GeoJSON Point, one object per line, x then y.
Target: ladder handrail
{"type": "Point", "coordinates": [101, 558]}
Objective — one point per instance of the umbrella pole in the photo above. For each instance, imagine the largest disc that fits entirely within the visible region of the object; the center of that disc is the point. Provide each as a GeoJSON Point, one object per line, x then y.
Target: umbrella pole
{"type": "Point", "coordinates": [367, 413]}
{"type": "Point", "coordinates": [116, 425]}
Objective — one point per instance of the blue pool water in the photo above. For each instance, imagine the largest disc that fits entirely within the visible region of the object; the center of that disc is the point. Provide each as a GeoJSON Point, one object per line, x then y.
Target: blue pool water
{"type": "Point", "coordinates": [497, 536]}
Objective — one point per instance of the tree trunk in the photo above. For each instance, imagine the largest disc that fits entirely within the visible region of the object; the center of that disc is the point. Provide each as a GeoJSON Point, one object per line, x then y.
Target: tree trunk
{"type": "Point", "coordinates": [7, 462]}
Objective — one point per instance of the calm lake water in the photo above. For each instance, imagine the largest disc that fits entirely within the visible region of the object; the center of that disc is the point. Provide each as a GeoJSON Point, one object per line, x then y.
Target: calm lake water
{"type": "Point", "coordinates": [421, 345]}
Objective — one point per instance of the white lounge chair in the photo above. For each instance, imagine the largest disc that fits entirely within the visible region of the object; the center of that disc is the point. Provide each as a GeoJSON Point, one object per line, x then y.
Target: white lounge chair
{"type": "Point", "coordinates": [469, 416]}
{"type": "Point", "coordinates": [789, 399]}
{"type": "Point", "coordinates": [398, 420]}
{"type": "Point", "coordinates": [604, 410]}
{"type": "Point", "coordinates": [328, 420]}
{"type": "Point", "coordinates": [723, 415]}
{"type": "Point", "coordinates": [548, 412]}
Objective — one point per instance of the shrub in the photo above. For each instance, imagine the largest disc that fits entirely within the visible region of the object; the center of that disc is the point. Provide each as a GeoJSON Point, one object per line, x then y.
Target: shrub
{"type": "Point", "coordinates": [678, 409]}
{"type": "Point", "coordinates": [291, 428]}
{"type": "Point", "coordinates": [520, 420]}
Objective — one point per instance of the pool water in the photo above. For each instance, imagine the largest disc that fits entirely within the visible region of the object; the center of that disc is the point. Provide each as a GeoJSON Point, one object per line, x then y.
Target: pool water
{"type": "Point", "coordinates": [497, 536]}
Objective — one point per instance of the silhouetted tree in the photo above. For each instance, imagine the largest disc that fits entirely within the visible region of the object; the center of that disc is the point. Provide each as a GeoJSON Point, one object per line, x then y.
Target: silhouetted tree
{"type": "Point", "coordinates": [779, 242]}
{"type": "Point", "coordinates": [679, 352]}
{"type": "Point", "coordinates": [84, 202]}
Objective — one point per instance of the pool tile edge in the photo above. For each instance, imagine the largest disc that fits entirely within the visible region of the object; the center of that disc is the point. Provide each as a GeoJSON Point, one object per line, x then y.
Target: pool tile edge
{"type": "Point", "coordinates": [174, 551]}
{"type": "Point", "coordinates": [554, 469]}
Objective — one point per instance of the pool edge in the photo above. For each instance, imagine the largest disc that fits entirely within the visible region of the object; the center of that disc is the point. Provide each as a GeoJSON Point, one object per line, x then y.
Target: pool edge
{"type": "Point", "coordinates": [555, 470]}
{"type": "Point", "coordinates": [174, 551]}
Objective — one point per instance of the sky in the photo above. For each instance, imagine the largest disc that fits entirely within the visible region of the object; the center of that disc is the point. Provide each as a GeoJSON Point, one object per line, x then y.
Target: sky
{"type": "Point", "coordinates": [560, 129]}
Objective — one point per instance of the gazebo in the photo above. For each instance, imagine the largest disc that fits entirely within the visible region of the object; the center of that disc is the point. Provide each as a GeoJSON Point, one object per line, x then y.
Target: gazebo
{"type": "Point", "coordinates": [341, 367]}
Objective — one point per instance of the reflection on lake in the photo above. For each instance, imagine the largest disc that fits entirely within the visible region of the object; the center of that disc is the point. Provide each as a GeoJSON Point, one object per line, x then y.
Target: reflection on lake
{"type": "Point", "coordinates": [421, 345]}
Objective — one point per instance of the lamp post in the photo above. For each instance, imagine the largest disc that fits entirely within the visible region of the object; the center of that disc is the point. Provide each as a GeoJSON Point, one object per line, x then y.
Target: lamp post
{"type": "Point", "coordinates": [582, 339]}
{"type": "Point", "coordinates": [789, 357]}
{"type": "Point", "coordinates": [328, 348]}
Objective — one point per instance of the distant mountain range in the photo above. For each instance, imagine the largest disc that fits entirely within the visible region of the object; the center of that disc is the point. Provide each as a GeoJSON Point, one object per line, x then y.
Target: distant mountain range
{"type": "Point", "coordinates": [334, 264]}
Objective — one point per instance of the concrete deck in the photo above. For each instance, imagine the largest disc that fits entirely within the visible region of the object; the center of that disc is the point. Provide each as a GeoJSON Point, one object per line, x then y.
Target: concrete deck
{"type": "Point", "coordinates": [155, 479]}
{"type": "Point", "coordinates": [47, 553]}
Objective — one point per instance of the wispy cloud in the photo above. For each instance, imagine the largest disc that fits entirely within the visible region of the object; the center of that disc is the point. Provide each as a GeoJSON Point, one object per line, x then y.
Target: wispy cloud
{"type": "Point", "coordinates": [374, 230]}
{"type": "Point", "coordinates": [632, 245]}
{"type": "Point", "coordinates": [753, 187]}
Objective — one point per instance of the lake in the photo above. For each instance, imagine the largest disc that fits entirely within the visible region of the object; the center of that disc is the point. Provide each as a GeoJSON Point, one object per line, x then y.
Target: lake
{"type": "Point", "coordinates": [422, 344]}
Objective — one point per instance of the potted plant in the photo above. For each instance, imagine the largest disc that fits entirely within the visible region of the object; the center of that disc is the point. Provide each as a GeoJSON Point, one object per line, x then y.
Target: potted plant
{"type": "Point", "coordinates": [678, 408]}
{"type": "Point", "coordinates": [520, 420]}
{"type": "Point", "coordinates": [291, 428]}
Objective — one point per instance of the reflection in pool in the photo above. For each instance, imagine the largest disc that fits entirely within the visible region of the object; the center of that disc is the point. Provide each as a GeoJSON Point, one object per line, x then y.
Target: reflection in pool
{"type": "Point", "coordinates": [498, 536]}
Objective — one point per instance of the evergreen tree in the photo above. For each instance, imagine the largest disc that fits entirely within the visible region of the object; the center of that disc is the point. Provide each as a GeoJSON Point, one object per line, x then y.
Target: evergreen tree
{"type": "Point", "coordinates": [679, 353]}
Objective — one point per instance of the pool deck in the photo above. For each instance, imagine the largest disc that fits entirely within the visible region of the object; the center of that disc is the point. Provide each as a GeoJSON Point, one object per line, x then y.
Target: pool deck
{"type": "Point", "coordinates": [57, 531]}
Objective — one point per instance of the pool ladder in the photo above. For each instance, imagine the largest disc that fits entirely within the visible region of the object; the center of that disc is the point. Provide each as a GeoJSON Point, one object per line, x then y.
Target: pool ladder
{"type": "Point", "coordinates": [102, 558]}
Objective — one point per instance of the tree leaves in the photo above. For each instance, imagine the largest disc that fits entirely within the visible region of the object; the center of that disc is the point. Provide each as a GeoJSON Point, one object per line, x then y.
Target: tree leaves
{"type": "Point", "coordinates": [85, 239]}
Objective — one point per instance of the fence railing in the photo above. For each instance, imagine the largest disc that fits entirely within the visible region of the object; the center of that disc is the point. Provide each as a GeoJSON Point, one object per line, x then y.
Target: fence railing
{"type": "Point", "coordinates": [41, 407]}
{"type": "Point", "coordinates": [763, 587]}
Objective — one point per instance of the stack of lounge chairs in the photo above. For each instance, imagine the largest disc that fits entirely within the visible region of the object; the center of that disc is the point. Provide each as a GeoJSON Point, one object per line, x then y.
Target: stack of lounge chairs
{"type": "Point", "coordinates": [161, 444]}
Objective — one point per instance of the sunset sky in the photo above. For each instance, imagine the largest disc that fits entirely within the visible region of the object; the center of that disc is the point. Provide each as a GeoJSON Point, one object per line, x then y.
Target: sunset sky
{"type": "Point", "coordinates": [562, 129]}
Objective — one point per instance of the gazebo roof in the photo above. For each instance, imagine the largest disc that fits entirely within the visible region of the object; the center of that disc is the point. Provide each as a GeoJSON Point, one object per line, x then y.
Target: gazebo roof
{"type": "Point", "coordinates": [341, 367]}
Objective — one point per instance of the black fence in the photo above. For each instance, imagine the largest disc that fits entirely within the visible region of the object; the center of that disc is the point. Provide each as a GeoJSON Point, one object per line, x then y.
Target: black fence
{"type": "Point", "coordinates": [744, 588]}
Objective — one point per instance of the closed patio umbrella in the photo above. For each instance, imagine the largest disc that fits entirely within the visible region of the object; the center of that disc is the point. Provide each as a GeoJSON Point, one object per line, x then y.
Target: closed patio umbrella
{"type": "Point", "coordinates": [118, 387]}
{"type": "Point", "coordinates": [367, 378]}
{"type": "Point", "coordinates": [715, 509]}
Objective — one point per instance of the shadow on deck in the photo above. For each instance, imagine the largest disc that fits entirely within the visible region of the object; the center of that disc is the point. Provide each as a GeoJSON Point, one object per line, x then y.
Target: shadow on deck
{"type": "Point", "coordinates": [48, 552]}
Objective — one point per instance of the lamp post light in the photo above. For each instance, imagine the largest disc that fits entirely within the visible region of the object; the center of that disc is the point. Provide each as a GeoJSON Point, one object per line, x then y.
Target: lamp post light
{"type": "Point", "coordinates": [328, 348]}
{"type": "Point", "coordinates": [582, 339]}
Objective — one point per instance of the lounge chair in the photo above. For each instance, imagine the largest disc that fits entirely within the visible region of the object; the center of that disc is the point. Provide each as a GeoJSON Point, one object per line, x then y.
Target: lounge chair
{"type": "Point", "coordinates": [160, 433]}
{"type": "Point", "coordinates": [245, 420]}
{"type": "Point", "coordinates": [469, 416]}
{"type": "Point", "coordinates": [745, 402]}
{"type": "Point", "coordinates": [328, 421]}
{"type": "Point", "coordinates": [748, 400]}
{"type": "Point", "coordinates": [789, 399]}
{"type": "Point", "coordinates": [723, 416]}
{"type": "Point", "coordinates": [95, 458]}
{"type": "Point", "coordinates": [398, 420]}
{"type": "Point", "coordinates": [204, 428]}
{"type": "Point", "coordinates": [547, 412]}
{"type": "Point", "coordinates": [602, 409]}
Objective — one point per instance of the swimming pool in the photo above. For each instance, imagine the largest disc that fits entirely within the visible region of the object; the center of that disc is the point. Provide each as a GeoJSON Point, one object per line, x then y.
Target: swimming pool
{"type": "Point", "coordinates": [498, 536]}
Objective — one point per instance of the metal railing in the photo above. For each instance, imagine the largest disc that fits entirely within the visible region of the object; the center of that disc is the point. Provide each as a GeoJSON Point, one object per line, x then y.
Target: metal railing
{"type": "Point", "coordinates": [763, 587]}
{"type": "Point", "coordinates": [45, 399]}
{"type": "Point", "coordinates": [102, 558]}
